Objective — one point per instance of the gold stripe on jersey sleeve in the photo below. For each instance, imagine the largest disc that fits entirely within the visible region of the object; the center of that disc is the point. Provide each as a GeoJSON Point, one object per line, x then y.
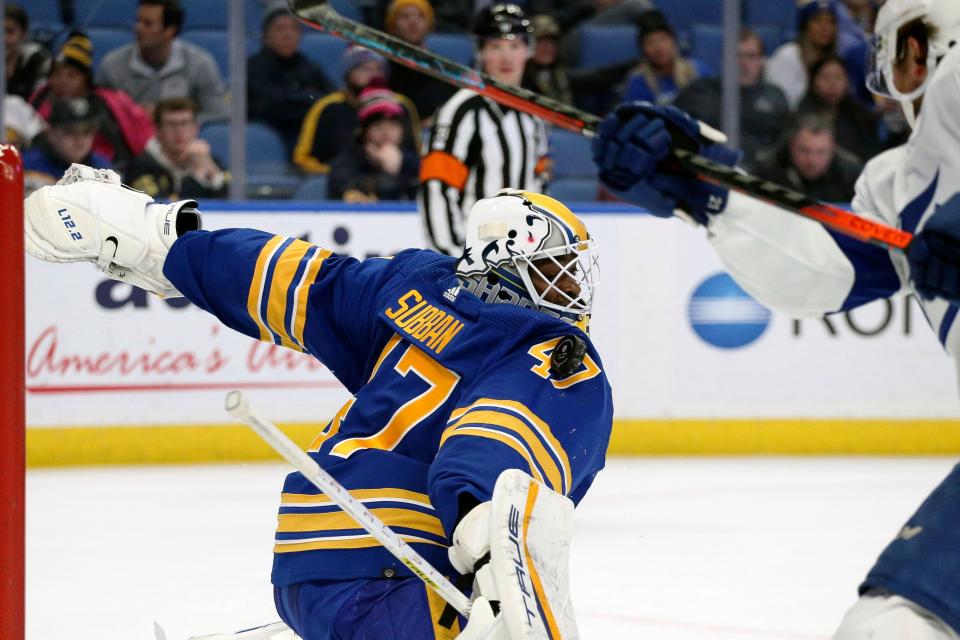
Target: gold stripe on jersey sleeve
{"type": "Point", "coordinates": [499, 436]}
{"type": "Point", "coordinates": [534, 421]}
{"type": "Point", "coordinates": [545, 461]}
{"type": "Point", "coordinates": [300, 316]}
{"type": "Point", "coordinates": [338, 520]}
{"type": "Point", "coordinates": [279, 286]}
{"type": "Point", "coordinates": [257, 285]}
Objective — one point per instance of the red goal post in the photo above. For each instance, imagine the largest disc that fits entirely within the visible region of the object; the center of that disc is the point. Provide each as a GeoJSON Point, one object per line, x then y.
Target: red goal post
{"type": "Point", "coordinates": [12, 391]}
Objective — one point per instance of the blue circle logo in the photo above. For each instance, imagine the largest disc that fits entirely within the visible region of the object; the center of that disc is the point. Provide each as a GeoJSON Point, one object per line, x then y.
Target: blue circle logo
{"type": "Point", "coordinates": [724, 315]}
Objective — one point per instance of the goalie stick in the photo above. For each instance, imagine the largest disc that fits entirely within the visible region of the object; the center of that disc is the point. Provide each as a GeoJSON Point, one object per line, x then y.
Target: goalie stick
{"type": "Point", "coordinates": [320, 15]}
{"type": "Point", "coordinates": [238, 407]}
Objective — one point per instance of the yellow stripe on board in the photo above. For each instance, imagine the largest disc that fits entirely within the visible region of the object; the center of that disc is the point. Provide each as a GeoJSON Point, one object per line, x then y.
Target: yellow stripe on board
{"type": "Point", "coordinates": [179, 444]}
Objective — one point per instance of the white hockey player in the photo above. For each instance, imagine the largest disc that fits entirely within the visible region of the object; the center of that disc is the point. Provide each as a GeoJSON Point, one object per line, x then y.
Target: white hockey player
{"type": "Point", "coordinates": [802, 269]}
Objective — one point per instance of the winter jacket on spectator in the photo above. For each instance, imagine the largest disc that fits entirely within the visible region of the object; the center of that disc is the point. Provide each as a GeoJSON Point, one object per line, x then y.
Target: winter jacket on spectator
{"type": "Point", "coordinates": [280, 91]}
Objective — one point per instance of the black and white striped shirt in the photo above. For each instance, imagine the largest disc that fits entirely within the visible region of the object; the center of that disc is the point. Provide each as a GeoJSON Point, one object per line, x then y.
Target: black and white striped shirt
{"type": "Point", "coordinates": [476, 147]}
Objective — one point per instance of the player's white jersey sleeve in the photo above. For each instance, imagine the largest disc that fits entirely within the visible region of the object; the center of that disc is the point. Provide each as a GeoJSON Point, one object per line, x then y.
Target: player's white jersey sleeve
{"type": "Point", "coordinates": [797, 266]}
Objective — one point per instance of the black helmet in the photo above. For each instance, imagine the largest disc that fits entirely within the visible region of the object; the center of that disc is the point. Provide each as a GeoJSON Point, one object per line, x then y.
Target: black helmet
{"type": "Point", "coordinates": [501, 20]}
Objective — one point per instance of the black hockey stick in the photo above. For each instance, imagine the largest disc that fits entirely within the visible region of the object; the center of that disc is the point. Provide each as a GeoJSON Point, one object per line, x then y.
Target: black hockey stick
{"type": "Point", "coordinates": [319, 14]}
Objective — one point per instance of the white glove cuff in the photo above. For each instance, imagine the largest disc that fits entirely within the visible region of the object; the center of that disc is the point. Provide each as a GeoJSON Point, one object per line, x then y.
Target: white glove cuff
{"type": "Point", "coordinates": [471, 539]}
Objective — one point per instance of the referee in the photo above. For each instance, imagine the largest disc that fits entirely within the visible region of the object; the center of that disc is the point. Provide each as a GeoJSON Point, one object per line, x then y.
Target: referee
{"type": "Point", "coordinates": [477, 147]}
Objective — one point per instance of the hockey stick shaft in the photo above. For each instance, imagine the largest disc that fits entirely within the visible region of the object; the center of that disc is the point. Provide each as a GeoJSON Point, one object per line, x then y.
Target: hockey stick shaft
{"type": "Point", "coordinates": [238, 406]}
{"type": "Point", "coordinates": [319, 14]}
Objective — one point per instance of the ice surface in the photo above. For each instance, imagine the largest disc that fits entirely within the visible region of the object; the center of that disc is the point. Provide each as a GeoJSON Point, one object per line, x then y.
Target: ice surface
{"type": "Point", "coordinates": [665, 548]}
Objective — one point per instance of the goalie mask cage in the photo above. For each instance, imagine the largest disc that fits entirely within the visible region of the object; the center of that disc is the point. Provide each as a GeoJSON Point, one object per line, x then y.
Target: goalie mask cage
{"type": "Point", "coordinates": [12, 390]}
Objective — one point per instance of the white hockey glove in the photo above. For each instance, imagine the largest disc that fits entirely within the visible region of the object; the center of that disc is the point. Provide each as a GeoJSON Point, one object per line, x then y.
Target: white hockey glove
{"type": "Point", "coordinates": [90, 217]}
{"type": "Point", "coordinates": [526, 530]}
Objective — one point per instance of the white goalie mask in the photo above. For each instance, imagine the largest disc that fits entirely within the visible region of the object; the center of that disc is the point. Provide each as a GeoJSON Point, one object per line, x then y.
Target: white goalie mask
{"type": "Point", "coordinates": [530, 250]}
{"type": "Point", "coordinates": [942, 21]}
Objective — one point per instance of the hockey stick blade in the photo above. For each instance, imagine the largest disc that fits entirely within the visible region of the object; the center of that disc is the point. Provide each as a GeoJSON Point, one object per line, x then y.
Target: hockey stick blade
{"type": "Point", "coordinates": [320, 15]}
{"type": "Point", "coordinates": [237, 405]}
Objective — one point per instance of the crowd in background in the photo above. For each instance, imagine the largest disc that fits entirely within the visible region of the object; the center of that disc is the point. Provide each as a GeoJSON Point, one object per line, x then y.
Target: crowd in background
{"type": "Point", "coordinates": [143, 108]}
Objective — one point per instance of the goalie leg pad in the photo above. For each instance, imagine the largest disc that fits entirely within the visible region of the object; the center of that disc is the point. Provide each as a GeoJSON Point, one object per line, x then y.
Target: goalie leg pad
{"type": "Point", "coordinates": [530, 531]}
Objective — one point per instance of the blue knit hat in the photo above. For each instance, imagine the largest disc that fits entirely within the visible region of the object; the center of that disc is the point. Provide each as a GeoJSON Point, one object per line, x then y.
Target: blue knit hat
{"type": "Point", "coordinates": [806, 9]}
{"type": "Point", "coordinates": [354, 56]}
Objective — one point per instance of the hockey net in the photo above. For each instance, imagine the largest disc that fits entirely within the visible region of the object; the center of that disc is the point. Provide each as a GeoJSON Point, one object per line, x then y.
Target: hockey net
{"type": "Point", "coordinates": [12, 390]}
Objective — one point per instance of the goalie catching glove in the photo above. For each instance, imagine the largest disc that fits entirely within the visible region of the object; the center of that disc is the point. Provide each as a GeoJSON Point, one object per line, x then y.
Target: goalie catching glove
{"type": "Point", "coordinates": [88, 216]}
{"type": "Point", "coordinates": [518, 544]}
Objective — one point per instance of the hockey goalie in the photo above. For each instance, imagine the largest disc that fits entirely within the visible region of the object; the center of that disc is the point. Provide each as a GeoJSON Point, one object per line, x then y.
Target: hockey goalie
{"type": "Point", "coordinates": [480, 411]}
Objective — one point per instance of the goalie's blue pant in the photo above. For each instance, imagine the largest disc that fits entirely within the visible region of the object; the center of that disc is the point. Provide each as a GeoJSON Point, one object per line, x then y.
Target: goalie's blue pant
{"type": "Point", "coordinates": [399, 609]}
{"type": "Point", "coordinates": [922, 564]}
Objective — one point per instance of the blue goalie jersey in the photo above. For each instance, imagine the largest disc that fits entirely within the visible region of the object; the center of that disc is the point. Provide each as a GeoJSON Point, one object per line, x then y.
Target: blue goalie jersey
{"type": "Point", "coordinates": [448, 391]}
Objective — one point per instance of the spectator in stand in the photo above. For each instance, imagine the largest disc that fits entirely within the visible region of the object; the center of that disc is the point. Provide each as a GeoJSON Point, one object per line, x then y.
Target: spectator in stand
{"type": "Point", "coordinates": [809, 161]}
{"type": "Point", "coordinates": [73, 124]}
{"type": "Point", "coordinates": [544, 72]}
{"type": "Point", "coordinates": [21, 121]}
{"type": "Point", "coordinates": [176, 163]}
{"type": "Point", "coordinates": [764, 112]}
{"type": "Point", "coordinates": [412, 21]}
{"type": "Point", "coordinates": [789, 66]}
{"type": "Point", "coordinates": [375, 166]}
{"type": "Point", "coordinates": [330, 124]}
{"type": "Point", "coordinates": [27, 62]}
{"type": "Point", "coordinates": [282, 83]}
{"type": "Point", "coordinates": [124, 126]}
{"type": "Point", "coordinates": [854, 125]}
{"type": "Point", "coordinates": [160, 65]}
{"type": "Point", "coordinates": [661, 73]}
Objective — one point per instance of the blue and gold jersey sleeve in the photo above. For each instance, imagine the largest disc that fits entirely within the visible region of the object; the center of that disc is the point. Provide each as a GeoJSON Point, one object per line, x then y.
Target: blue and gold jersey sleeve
{"type": "Point", "coordinates": [520, 417]}
{"type": "Point", "coordinates": [285, 291]}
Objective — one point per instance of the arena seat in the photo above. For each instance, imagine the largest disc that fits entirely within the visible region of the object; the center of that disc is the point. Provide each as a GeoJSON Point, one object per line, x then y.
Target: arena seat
{"type": "Point", "coordinates": [568, 190]}
{"type": "Point", "coordinates": [216, 42]}
{"type": "Point", "coordinates": [313, 188]}
{"type": "Point", "coordinates": [265, 151]}
{"type": "Point", "coordinates": [457, 47]}
{"type": "Point", "coordinates": [604, 45]}
{"type": "Point", "coordinates": [347, 9]}
{"type": "Point", "coordinates": [43, 12]}
{"type": "Point", "coordinates": [118, 14]}
{"type": "Point", "coordinates": [571, 154]}
{"type": "Point", "coordinates": [772, 36]}
{"type": "Point", "coordinates": [683, 14]}
{"type": "Point", "coordinates": [105, 40]}
{"type": "Point", "coordinates": [326, 51]}
{"type": "Point", "coordinates": [769, 12]}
